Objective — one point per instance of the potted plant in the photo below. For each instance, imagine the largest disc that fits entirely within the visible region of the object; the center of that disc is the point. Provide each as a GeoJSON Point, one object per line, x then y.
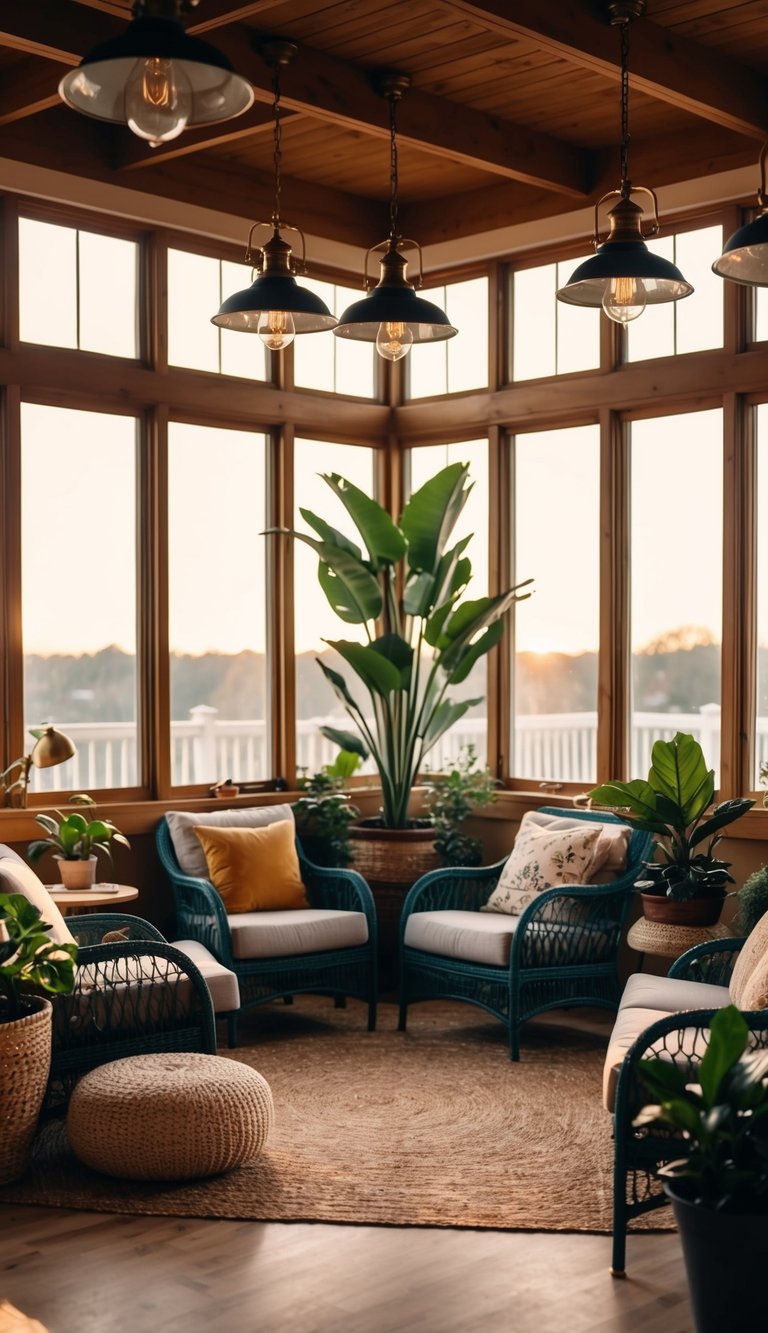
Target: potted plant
{"type": "Point", "coordinates": [752, 899]}
{"type": "Point", "coordinates": [405, 586]}
{"type": "Point", "coordinates": [451, 797]}
{"type": "Point", "coordinates": [31, 968]}
{"type": "Point", "coordinates": [719, 1189]}
{"type": "Point", "coordinates": [75, 842]}
{"type": "Point", "coordinates": [323, 814]}
{"type": "Point", "coordinates": [686, 885]}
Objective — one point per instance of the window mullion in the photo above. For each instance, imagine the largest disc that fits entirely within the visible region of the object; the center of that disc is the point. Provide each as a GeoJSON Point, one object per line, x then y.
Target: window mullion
{"type": "Point", "coordinates": [739, 659]}
{"type": "Point", "coordinates": [613, 686]}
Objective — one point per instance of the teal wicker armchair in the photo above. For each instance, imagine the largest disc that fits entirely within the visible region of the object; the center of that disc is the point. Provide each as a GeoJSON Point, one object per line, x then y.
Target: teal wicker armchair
{"type": "Point", "coordinates": [340, 972]}
{"type": "Point", "coordinates": [683, 1037]}
{"type": "Point", "coordinates": [135, 996]}
{"type": "Point", "coordinates": [562, 953]}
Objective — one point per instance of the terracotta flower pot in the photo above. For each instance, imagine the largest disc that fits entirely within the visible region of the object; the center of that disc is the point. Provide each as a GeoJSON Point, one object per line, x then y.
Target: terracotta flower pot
{"type": "Point", "coordinates": [77, 874]}
{"type": "Point", "coordinates": [688, 912]}
{"type": "Point", "coordinates": [25, 1062]}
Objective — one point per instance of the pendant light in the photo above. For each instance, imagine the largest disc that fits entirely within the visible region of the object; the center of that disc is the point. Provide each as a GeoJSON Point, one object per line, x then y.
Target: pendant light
{"type": "Point", "coordinates": [745, 257]}
{"type": "Point", "coordinates": [623, 276]}
{"type": "Point", "coordinates": [156, 79]}
{"type": "Point", "coordinates": [392, 315]}
{"type": "Point", "coordinates": [275, 306]}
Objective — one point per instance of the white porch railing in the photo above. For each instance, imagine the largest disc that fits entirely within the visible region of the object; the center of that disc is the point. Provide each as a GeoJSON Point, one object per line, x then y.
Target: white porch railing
{"type": "Point", "coordinates": [207, 748]}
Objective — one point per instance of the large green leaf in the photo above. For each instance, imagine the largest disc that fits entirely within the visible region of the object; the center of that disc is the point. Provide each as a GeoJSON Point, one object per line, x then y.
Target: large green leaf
{"type": "Point", "coordinates": [346, 740]}
{"type": "Point", "coordinates": [338, 685]}
{"type": "Point", "coordinates": [727, 1040]}
{"type": "Point", "coordinates": [445, 715]}
{"type": "Point", "coordinates": [679, 772]}
{"type": "Point", "coordinates": [470, 618]}
{"type": "Point", "coordinates": [377, 673]}
{"type": "Point", "coordinates": [724, 813]}
{"type": "Point", "coordinates": [353, 597]}
{"type": "Point", "coordinates": [474, 651]}
{"type": "Point", "coordinates": [418, 594]}
{"type": "Point", "coordinates": [399, 652]}
{"type": "Point", "coordinates": [637, 796]}
{"type": "Point", "coordinates": [330, 535]}
{"type": "Point", "coordinates": [430, 514]}
{"type": "Point", "coordinates": [384, 541]}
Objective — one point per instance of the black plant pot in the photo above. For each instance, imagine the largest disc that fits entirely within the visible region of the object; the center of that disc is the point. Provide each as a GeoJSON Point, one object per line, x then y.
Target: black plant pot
{"type": "Point", "coordinates": [724, 1255]}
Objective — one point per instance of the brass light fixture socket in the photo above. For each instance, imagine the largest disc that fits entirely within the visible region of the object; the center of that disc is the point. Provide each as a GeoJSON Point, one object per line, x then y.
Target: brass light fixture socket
{"type": "Point", "coordinates": [390, 84]}
{"type": "Point", "coordinates": [624, 11]}
{"type": "Point", "coordinates": [277, 52]}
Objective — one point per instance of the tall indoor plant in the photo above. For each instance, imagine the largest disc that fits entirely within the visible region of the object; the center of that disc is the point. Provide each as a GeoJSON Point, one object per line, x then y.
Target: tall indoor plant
{"type": "Point", "coordinates": [405, 584]}
{"type": "Point", "coordinates": [687, 883]}
{"type": "Point", "coordinates": [32, 967]}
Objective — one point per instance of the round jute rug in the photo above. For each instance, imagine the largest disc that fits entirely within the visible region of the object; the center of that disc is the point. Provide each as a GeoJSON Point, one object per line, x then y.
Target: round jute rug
{"type": "Point", "coordinates": [432, 1127]}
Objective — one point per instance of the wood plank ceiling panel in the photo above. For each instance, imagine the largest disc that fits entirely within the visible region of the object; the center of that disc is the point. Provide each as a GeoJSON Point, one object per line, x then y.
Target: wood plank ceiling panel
{"type": "Point", "coordinates": [737, 29]}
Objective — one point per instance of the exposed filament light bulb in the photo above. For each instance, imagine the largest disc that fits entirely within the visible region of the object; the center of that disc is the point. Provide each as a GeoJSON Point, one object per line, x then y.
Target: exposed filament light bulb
{"type": "Point", "coordinates": [276, 329]}
{"type": "Point", "coordinates": [158, 100]}
{"type": "Point", "coordinates": [624, 299]}
{"type": "Point", "coordinates": [393, 340]}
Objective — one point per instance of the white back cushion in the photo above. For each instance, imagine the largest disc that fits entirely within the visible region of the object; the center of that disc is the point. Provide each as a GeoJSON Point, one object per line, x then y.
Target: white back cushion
{"type": "Point", "coordinates": [18, 877]}
{"type": "Point", "coordinates": [186, 844]}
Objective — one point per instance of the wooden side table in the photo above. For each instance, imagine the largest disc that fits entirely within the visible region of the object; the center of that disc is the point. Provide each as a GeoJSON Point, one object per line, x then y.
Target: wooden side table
{"type": "Point", "coordinates": [101, 895]}
{"type": "Point", "coordinates": [666, 941]}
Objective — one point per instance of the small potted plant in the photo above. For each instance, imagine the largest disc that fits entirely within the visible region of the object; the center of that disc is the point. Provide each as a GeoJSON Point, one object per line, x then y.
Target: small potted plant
{"type": "Point", "coordinates": [686, 885]}
{"type": "Point", "coordinates": [75, 842]}
{"type": "Point", "coordinates": [719, 1189]}
{"type": "Point", "coordinates": [31, 968]}
{"type": "Point", "coordinates": [324, 812]}
{"type": "Point", "coordinates": [450, 797]}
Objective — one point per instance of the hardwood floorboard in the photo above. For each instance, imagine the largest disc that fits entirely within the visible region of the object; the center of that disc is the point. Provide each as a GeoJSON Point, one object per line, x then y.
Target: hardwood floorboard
{"type": "Point", "coordinates": [95, 1273]}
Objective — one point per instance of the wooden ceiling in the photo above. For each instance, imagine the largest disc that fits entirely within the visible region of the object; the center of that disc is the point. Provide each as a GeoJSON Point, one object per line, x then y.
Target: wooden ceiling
{"type": "Point", "coordinates": [513, 113]}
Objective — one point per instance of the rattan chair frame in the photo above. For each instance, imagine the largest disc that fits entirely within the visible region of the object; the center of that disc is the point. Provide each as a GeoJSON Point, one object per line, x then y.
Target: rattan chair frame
{"type": "Point", "coordinates": [201, 915]}
{"type": "Point", "coordinates": [558, 958]}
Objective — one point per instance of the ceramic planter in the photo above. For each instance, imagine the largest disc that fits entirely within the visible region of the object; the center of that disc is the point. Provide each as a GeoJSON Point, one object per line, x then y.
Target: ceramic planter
{"type": "Point", "coordinates": [77, 874]}
{"type": "Point", "coordinates": [25, 1062]}
{"type": "Point", "coordinates": [724, 1254]}
{"type": "Point", "coordinates": [689, 912]}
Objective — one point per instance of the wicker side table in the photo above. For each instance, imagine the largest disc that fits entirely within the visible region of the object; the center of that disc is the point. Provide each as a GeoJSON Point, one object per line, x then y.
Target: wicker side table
{"type": "Point", "coordinates": [666, 941]}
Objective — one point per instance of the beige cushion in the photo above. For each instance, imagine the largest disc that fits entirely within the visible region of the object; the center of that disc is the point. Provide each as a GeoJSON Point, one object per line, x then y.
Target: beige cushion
{"type": "Point", "coordinates": [108, 998]}
{"type": "Point", "coordinates": [303, 930]}
{"type": "Point", "coordinates": [754, 994]}
{"type": "Point", "coordinates": [610, 857]}
{"type": "Point", "coordinates": [753, 956]}
{"type": "Point", "coordinates": [634, 1017]}
{"type": "Point", "coordinates": [222, 983]}
{"type": "Point", "coordinates": [18, 877]}
{"type": "Point", "coordinates": [543, 858]}
{"type": "Point", "coordinates": [182, 825]}
{"type": "Point", "coordinates": [465, 935]}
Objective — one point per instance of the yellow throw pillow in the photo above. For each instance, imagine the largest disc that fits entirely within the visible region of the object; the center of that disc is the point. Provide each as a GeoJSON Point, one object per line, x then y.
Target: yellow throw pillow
{"type": "Point", "coordinates": [254, 869]}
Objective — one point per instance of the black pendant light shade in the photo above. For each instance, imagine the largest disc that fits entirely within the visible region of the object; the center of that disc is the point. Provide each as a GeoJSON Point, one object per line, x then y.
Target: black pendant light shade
{"type": "Point", "coordinates": [155, 78]}
{"type": "Point", "coordinates": [745, 257]}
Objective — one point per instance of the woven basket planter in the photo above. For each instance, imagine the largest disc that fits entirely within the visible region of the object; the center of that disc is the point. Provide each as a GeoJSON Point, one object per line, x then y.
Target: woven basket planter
{"type": "Point", "coordinates": [25, 1061]}
{"type": "Point", "coordinates": [391, 860]}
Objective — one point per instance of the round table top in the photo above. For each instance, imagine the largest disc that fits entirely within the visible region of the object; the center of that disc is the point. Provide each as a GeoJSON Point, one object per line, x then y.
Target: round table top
{"type": "Point", "coordinates": [668, 941]}
{"type": "Point", "coordinates": [99, 896]}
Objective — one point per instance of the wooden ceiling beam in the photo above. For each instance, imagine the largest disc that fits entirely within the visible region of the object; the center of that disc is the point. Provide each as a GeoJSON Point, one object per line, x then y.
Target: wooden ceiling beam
{"type": "Point", "coordinates": [29, 87]}
{"type": "Point", "coordinates": [669, 68]}
{"type": "Point", "coordinates": [133, 154]}
{"type": "Point", "coordinates": [51, 29]}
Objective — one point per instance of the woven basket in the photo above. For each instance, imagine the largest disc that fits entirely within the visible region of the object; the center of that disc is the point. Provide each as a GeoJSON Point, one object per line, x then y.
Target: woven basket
{"type": "Point", "coordinates": [393, 856]}
{"type": "Point", "coordinates": [25, 1061]}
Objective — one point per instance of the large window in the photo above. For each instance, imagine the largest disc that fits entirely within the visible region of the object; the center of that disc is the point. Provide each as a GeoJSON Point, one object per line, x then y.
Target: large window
{"type": "Point", "coordinates": [335, 365]}
{"type": "Point", "coordinates": [197, 285]}
{"type": "Point", "coordinates": [677, 584]}
{"type": "Point", "coordinates": [694, 323]}
{"type": "Point", "coordinates": [217, 605]}
{"type": "Point", "coordinates": [547, 336]}
{"type": "Point", "coordinates": [555, 498]}
{"type": "Point", "coordinates": [458, 363]}
{"type": "Point", "coordinates": [78, 573]}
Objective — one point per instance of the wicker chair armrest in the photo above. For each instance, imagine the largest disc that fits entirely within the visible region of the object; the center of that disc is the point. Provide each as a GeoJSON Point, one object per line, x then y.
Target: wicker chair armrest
{"type": "Point", "coordinates": [462, 888]}
{"type": "Point", "coordinates": [711, 961]}
{"type": "Point", "coordinates": [90, 930]}
{"type": "Point", "coordinates": [572, 926]}
{"type": "Point", "coordinates": [338, 889]}
{"type": "Point", "coordinates": [202, 916]}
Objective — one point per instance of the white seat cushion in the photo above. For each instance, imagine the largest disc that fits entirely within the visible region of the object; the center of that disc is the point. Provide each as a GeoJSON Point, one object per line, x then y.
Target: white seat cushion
{"type": "Point", "coordinates": [186, 844]}
{"type": "Point", "coordinates": [303, 930]}
{"type": "Point", "coordinates": [225, 991]}
{"type": "Point", "coordinates": [634, 1017]}
{"type": "Point", "coordinates": [474, 937]}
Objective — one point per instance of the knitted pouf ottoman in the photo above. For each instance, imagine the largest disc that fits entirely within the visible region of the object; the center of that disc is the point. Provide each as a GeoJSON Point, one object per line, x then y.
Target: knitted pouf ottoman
{"type": "Point", "coordinates": [169, 1117]}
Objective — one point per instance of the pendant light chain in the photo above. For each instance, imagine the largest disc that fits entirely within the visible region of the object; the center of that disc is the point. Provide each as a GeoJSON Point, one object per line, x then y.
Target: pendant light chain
{"type": "Point", "coordinates": [393, 199]}
{"type": "Point", "coordinates": [277, 152]}
{"type": "Point", "coordinates": [625, 109]}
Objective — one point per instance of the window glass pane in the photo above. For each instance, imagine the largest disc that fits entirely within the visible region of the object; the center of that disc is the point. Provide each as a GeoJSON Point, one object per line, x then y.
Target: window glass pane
{"type": "Point", "coordinates": [47, 283]}
{"type": "Point", "coordinates": [336, 365]}
{"type": "Point", "coordinates": [108, 324]}
{"type": "Point", "coordinates": [550, 337]}
{"type": "Point", "coordinates": [761, 739]}
{"type": "Point", "coordinates": [217, 605]}
{"type": "Point", "coordinates": [425, 462]}
{"type": "Point", "coordinates": [194, 295]}
{"type": "Point", "coordinates": [458, 363]}
{"type": "Point", "coordinates": [695, 322]}
{"type": "Point", "coordinates": [557, 630]}
{"type": "Point", "coordinates": [760, 296]}
{"type": "Point", "coordinates": [241, 353]}
{"type": "Point", "coordinates": [314, 620]}
{"type": "Point", "coordinates": [79, 592]}
{"type": "Point", "coordinates": [676, 577]}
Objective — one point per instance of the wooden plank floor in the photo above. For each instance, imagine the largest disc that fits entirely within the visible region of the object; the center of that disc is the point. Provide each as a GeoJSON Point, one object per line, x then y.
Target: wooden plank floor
{"type": "Point", "coordinates": [97, 1273]}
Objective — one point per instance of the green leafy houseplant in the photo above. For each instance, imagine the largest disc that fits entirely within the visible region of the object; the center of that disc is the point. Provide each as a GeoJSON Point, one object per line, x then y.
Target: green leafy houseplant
{"type": "Point", "coordinates": [404, 584]}
{"type": "Point", "coordinates": [451, 797]}
{"type": "Point", "coordinates": [73, 837]}
{"type": "Point", "coordinates": [30, 963]}
{"type": "Point", "coordinates": [323, 814]}
{"type": "Point", "coordinates": [676, 803]}
{"type": "Point", "coordinates": [752, 899]}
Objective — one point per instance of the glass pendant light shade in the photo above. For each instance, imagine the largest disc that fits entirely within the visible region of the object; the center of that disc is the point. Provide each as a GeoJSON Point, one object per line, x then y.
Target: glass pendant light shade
{"type": "Point", "coordinates": [745, 257]}
{"type": "Point", "coordinates": [157, 79]}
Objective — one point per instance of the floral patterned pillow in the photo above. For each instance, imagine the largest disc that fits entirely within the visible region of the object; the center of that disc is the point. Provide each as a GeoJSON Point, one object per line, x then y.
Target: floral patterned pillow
{"type": "Point", "coordinates": [543, 858]}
